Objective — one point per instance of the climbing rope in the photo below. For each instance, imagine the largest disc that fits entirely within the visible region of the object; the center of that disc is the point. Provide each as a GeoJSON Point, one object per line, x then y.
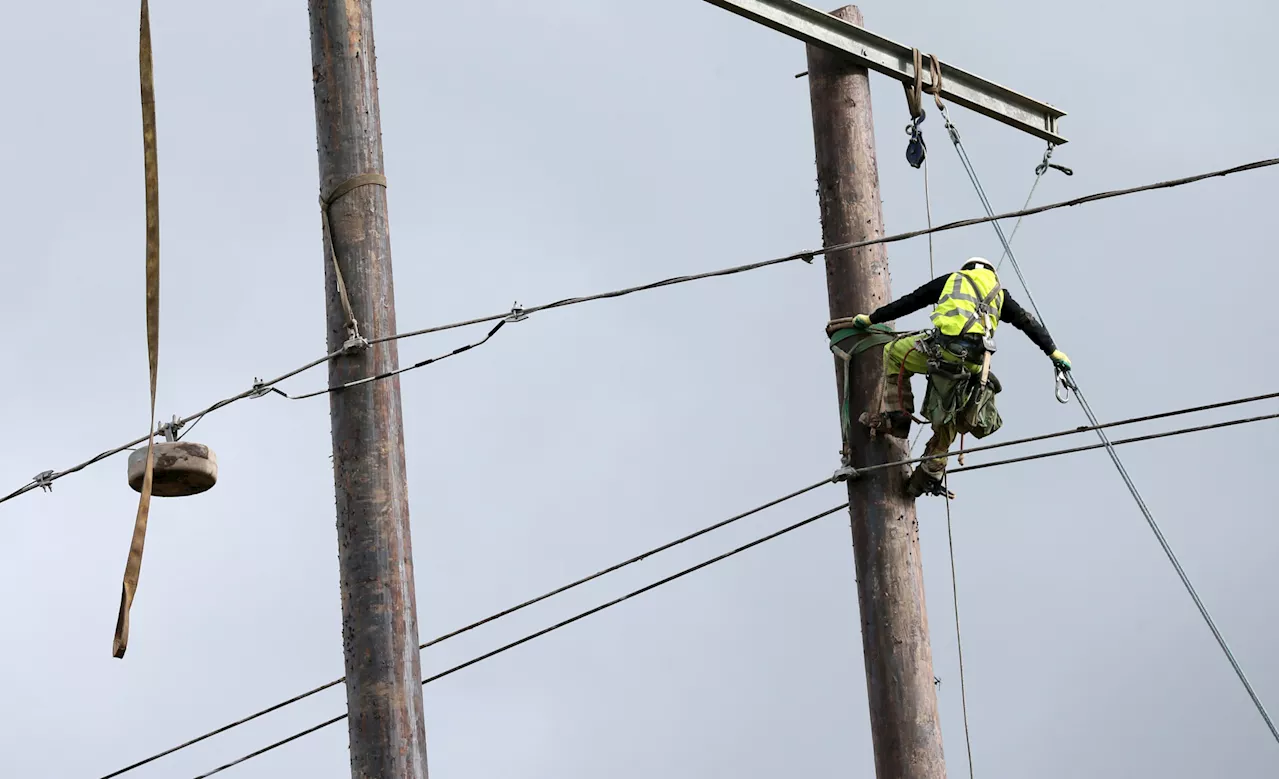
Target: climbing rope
{"type": "Point", "coordinates": [1106, 442]}
{"type": "Point", "coordinates": [955, 603]}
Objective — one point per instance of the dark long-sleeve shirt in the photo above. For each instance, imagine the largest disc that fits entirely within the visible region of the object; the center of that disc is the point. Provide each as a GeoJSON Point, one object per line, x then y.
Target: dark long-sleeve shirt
{"type": "Point", "coordinates": [928, 295]}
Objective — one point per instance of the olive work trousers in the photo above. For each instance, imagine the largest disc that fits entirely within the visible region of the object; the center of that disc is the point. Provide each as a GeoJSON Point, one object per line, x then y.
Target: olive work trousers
{"type": "Point", "coordinates": [902, 359]}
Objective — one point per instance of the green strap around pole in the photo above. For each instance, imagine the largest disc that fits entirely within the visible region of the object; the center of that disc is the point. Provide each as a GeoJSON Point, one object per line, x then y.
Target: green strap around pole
{"type": "Point", "coordinates": [869, 338]}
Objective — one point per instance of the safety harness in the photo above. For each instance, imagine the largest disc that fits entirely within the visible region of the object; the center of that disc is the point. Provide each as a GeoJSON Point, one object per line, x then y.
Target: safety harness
{"type": "Point", "coordinates": [979, 312]}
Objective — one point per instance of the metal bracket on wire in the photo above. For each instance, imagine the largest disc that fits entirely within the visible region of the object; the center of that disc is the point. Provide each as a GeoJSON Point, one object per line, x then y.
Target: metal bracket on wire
{"type": "Point", "coordinates": [44, 480]}
{"type": "Point", "coordinates": [517, 313]}
{"type": "Point", "coordinates": [845, 472]}
{"type": "Point", "coordinates": [355, 343]}
{"type": "Point", "coordinates": [170, 430]}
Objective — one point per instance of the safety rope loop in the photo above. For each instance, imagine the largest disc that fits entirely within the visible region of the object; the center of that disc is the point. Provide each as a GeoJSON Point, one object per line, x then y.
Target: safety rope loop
{"type": "Point", "coordinates": [935, 74]}
{"type": "Point", "coordinates": [914, 88]}
{"type": "Point", "coordinates": [354, 339]}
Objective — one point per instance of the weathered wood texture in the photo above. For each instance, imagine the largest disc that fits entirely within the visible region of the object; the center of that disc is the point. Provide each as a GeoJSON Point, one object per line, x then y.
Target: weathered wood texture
{"type": "Point", "coordinates": [895, 635]}
{"type": "Point", "coordinates": [379, 611]}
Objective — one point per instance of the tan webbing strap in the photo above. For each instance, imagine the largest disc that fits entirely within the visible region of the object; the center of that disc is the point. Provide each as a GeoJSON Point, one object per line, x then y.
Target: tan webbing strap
{"type": "Point", "coordinates": [935, 74]}
{"type": "Point", "coordinates": [364, 179]}
{"type": "Point", "coordinates": [133, 567]}
{"type": "Point", "coordinates": [915, 87]}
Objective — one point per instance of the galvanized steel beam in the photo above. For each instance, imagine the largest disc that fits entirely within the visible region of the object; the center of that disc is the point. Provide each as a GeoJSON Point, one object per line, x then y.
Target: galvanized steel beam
{"type": "Point", "coordinates": [892, 59]}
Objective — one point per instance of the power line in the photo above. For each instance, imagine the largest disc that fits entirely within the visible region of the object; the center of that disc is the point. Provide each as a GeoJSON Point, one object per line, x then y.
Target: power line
{"type": "Point", "coordinates": [491, 618]}
{"type": "Point", "coordinates": [398, 371]}
{"type": "Point", "coordinates": [718, 558]}
{"type": "Point", "coordinates": [1115, 458]}
{"type": "Point", "coordinates": [1134, 440]}
{"type": "Point", "coordinates": [1072, 431]}
{"type": "Point", "coordinates": [723, 523]}
{"type": "Point", "coordinates": [259, 388]}
{"type": "Point", "coordinates": [809, 255]}
{"type": "Point", "coordinates": [544, 631]}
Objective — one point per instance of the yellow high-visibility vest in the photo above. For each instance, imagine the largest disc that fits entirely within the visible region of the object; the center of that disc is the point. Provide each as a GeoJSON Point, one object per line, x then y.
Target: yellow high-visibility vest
{"type": "Point", "coordinates": [970, 303]}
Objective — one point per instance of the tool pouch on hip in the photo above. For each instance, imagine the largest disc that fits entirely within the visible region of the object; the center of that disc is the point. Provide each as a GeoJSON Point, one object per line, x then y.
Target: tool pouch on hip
{"type": "Point", "coordinates": [960, 401]}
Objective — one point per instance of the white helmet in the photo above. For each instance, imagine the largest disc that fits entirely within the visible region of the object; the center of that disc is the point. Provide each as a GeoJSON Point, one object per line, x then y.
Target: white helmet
{"type": "Point", "coordinates": [977, 262]}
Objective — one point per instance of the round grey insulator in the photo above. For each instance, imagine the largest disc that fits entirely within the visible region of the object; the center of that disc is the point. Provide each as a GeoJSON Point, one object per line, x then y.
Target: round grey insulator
{"type": "Point", "coordinates": [180, 469]}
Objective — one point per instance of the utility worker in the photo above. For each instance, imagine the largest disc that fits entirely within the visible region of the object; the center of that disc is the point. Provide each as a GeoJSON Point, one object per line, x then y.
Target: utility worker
{"type": "Point", "coordinates": [968, 306]}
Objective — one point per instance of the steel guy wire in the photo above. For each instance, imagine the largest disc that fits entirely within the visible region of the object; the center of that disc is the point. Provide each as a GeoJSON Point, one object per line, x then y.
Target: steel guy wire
{"type": "Point", "coordinates": [261, 387]}
{"type": "Point", "coordinates": [711, 561]}
{"type": "Point", "coordinates": [722, 523]}
{"type": "Point", "coordinates": [1041, 169]}
{"type": "Point", "coordinates": [491, 618]}
{"type": "Point", "coordinates": [557, 626]}
{"type": "Point", "coordinates": [1115, 458]}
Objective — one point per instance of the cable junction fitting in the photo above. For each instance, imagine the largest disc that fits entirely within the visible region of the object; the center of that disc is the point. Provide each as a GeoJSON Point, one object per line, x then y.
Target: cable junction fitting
{"type": "Point", "coordinates": [355, 343]}
{"type": "Point", "coordinates": [517, 313]}
{"type": "Point", "coordinates": [44, 480]}
{"type": "Point", "coordinates": [260, 388]}
{"type": "Point", "coordinates": [170, 430]}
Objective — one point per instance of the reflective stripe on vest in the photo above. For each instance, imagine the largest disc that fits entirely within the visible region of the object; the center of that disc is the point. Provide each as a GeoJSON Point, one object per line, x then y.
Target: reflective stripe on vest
{"type": "Point", "coordinates": [961, 312]}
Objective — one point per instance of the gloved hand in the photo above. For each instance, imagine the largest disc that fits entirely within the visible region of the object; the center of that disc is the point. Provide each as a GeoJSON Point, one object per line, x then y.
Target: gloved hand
{"type": "Point", "coordinates": [861, 322]}
{"type": "Point", "coordinates": [1061, 360]}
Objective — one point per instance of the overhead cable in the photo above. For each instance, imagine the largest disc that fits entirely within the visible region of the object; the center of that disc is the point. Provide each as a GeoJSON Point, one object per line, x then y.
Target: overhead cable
{"type": "Point", "coordinates": [725, 522]}
{"type": "Point", "coordinates": [706, 563]}
{"type": "Point", "coordinates": [1115, 458]}
{"type": "Point", "coordinates": [491, 618]}
{"type": "Point", "coordinates": [1133, 440]}
{"type": "Point", "coordinates": [545, 631]}
{"type": "Point", "coordinates": [46, 478]}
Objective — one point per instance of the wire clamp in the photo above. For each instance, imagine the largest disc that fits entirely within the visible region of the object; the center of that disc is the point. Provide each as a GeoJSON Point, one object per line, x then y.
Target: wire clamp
{"type": "Point", "coordinates": [807, 258]}
{"type": "Point", "coordinates": [44, 480]}
{"type": "Point", "coordinates": [355, 343]}
{"type": "Point", "coordinates": [845, 472]}
{"type": "Point", "coordinates": [170, 429]}
{"type": "Point", "coordinates": [517, 313]}
{"type": "Point", "coordinates": [260, 388]}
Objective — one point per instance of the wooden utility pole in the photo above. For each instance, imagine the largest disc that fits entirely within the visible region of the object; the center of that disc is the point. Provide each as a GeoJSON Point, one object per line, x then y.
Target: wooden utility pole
{"type": "Point", "coordinates": [379, 611]}
{"type": "Point", "coordinates": [895, 631]}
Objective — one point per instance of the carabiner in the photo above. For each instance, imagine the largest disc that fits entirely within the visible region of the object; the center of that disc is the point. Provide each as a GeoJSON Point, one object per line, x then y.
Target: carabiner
{"type": "Point", "coordinates": [1061, 389]}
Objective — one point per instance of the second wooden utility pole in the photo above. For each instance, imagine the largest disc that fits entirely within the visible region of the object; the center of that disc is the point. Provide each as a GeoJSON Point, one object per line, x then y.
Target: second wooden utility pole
{"type": "Point", "coordinates": [905, 734]}
{"type": "Point", "coordinates": [379, 611]}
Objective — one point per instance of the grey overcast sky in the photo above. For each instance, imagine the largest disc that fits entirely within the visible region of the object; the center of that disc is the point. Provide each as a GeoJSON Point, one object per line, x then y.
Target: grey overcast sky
{"type": "Point", "coordinates": [541, 150]}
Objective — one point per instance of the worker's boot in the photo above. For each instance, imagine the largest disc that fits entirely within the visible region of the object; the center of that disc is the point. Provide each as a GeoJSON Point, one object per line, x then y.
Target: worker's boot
{"type": "Point", "coordinates": [922, 482]}
{"type": "Point", "coordinates": [891, 423]}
